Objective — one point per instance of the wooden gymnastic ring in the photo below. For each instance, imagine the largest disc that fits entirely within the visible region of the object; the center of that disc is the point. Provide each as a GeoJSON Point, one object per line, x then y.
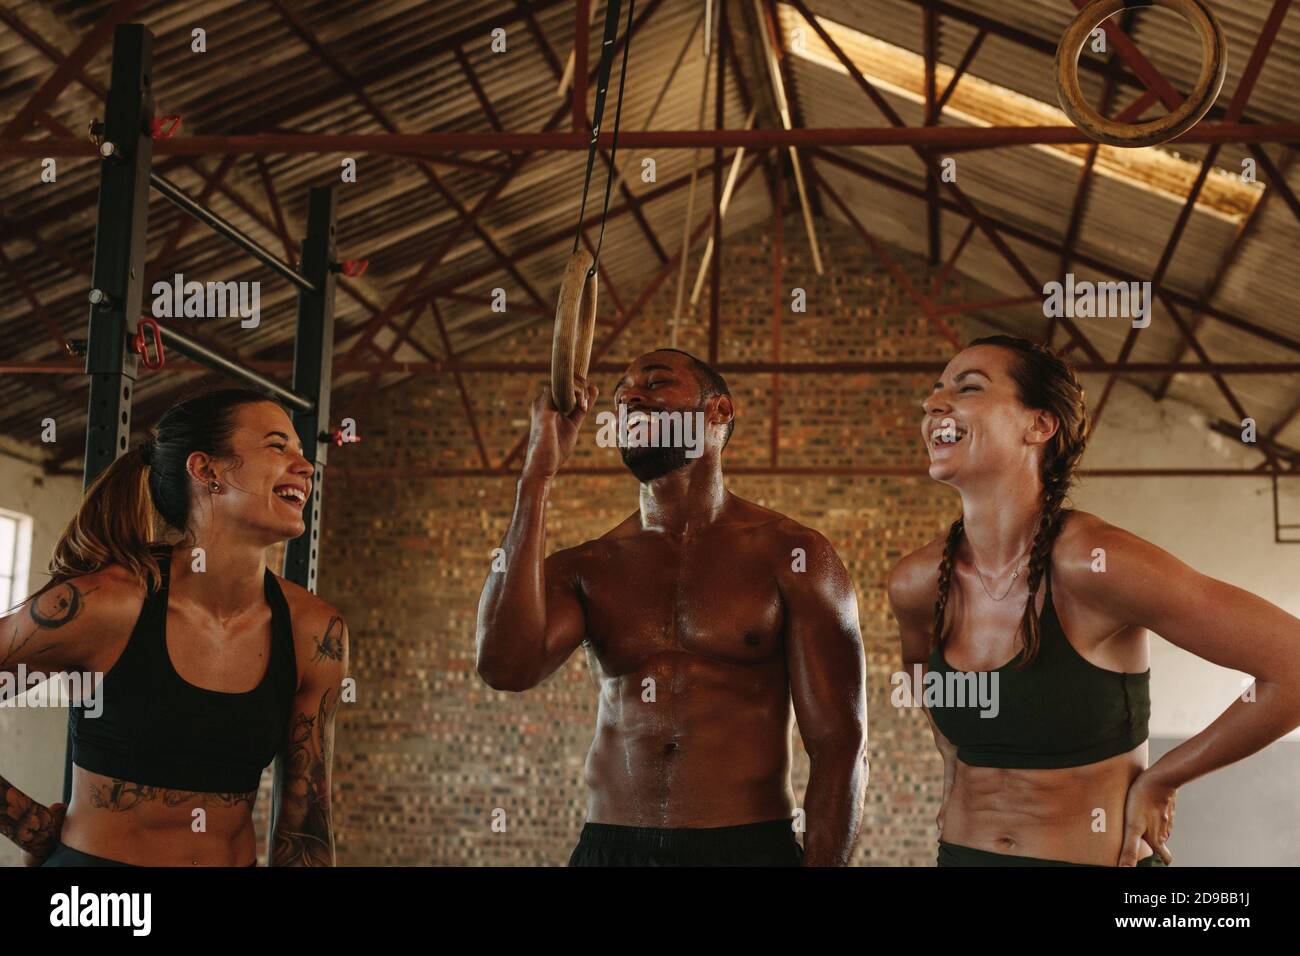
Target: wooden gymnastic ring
{"type": "Point", "coordinates": [1214, 67]}
{"type": "Point", "coordinates": [575, 326]}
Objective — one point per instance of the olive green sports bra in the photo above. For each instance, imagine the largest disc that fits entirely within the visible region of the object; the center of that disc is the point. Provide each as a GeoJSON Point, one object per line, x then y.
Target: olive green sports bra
{"type": "Point", "coordinates": [1060, 711]}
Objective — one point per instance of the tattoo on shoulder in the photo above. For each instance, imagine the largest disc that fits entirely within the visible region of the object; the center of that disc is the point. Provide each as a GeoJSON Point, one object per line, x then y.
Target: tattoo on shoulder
{"type": "Point", "coordinates": [15, 647]}
{"type": "Point", "coordinates": [59, 605]}
{"type": "Point", "coordinates": [330, 644]}
{"type": "Point", "coordinates": [123, 795]}
{"type": "Point", "coordinates": [49, 610]}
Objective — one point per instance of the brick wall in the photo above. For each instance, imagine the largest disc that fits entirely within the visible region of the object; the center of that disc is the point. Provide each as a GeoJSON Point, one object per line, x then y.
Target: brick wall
{"type": "Point", "coordinates": [428, 752]}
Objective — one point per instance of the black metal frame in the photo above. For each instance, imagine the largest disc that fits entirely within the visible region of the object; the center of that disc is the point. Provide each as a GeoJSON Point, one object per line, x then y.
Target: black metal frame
{"type": "Point", "coordinates": [313, 354]}
{"type": "Point", "coordinates": [118, 293]}
{"type": "Point", "coordinates": [118, 274]}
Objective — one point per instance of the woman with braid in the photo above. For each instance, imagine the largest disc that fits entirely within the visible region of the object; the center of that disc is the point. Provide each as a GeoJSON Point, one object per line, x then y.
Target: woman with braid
{"type": "Point", "coordinates": [1047, 610]}
{"type": "Point", "coordinates": [212, 665]}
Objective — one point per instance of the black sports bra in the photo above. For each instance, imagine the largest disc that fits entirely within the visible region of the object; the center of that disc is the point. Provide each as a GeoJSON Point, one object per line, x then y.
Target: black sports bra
{"type": "Point", "coordinates": [159, 730]}
{"type": "Point", "coordinates": [1060, 711]}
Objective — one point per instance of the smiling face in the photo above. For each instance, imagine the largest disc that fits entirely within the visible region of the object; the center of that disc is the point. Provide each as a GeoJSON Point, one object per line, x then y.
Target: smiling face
{"type": "Point", "coordinates": [266, 482]}
{"type": "Point", "coordinates": [666, 381]}
{"type": "Point", "coordinates": [975, 423]}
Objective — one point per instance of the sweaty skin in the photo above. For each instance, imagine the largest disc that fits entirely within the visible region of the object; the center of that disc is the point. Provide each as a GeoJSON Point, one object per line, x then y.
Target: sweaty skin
{"type": "Point", "coordinates": [983, 441]}
{"type": "Point", "coordinates": [1074, 813]}
{"type": "Point", "coordinates": [709, 622]}
{"type": "Point", "coordinates": [686, 639]}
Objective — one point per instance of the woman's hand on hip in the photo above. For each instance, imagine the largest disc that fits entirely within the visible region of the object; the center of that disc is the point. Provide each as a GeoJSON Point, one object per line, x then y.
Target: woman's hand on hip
{"type": "Point", "coordinates": [1148, 815]}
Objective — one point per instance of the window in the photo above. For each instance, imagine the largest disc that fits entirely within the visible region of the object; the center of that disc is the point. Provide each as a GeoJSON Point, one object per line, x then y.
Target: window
{"type": "Point", "coordinates": [15, 557]}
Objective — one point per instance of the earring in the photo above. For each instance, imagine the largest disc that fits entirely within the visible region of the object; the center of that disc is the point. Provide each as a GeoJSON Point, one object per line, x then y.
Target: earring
{"type": "Point", "coordinates": [214, 486]}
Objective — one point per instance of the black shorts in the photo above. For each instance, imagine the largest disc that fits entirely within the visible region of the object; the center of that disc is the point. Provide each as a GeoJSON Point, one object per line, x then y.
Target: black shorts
{"type": "Point", "coordinates": [753, 844]}
{"type": "Point", "coordinates": [950, 854]}
{"type": "Point", "coordinates": [67, 856]}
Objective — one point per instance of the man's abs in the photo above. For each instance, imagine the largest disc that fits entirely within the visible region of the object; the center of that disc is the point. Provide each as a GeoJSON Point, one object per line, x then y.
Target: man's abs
{"type": "Point", "coordinates": [687, 741]}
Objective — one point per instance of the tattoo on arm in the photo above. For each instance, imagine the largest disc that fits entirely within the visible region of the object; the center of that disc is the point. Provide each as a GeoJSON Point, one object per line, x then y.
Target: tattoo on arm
{"type": "Point", "coordinates": [14, 647]}
{"type": "Point", "coordinates": [304, 833]}
{"type": "Point", "coordinates": [49, 610]}
{"type": "Point", "coordinates": [121, 796]}
{"type": "Point", "coordinates": [25, 822]}
{"type": "Point", "coordinates": [58, 605]}
{"type": "Point", "coordinates": [330, 644]}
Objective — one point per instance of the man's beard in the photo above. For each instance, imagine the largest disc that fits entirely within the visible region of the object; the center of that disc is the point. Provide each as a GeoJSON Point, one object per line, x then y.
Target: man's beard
{"type": "Point", "coordinates": [649, 462]}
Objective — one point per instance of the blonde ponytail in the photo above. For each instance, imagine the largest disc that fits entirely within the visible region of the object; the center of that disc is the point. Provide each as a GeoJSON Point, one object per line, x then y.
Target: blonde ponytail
{"type": "Point", "coordinates": [114, 525]}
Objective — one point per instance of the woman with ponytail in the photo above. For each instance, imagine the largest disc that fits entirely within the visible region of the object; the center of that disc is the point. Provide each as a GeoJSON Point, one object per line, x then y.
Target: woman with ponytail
{"type": "Point", "coordinates": [210, 664]}
{"type": "Point", "coordinates": [1030, 621]}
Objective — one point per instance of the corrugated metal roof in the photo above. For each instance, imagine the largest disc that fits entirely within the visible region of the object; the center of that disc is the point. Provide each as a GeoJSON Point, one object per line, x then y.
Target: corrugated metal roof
{"type": "Point", "coordinates": [259, 74]}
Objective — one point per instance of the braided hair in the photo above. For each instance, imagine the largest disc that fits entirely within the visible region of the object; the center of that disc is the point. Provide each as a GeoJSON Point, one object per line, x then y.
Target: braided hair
{"type": "Point", "coordinates": [1043, 381]}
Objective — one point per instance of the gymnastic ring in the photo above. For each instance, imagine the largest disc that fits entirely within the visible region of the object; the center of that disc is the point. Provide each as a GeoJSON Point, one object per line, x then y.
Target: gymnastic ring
{"type": "Point", "coordinates": [1214, 67]}
{"type": "Point", "coordinates": [575, 327]}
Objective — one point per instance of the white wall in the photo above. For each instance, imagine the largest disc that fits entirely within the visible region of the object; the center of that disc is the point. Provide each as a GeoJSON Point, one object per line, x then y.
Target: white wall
{"type": "Point", "coordinates": [32, 741]}
{"type": "Point", "coordinates": [1223, 527]}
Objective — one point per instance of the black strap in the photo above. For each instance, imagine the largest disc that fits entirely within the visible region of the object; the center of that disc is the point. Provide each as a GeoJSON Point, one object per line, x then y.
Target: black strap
{"type": "Point", "coordinates": [602, 87]}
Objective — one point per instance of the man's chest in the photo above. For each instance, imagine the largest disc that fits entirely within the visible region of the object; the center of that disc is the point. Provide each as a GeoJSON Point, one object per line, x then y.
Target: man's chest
{"type": "Point", "coordinates": [719, 600]}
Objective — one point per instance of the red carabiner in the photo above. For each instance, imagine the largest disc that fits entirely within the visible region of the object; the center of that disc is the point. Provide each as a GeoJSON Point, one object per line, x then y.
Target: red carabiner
{"type": "Point", "coordinates": [354, 267]}
{"type": "Point", "coordinates": [164, 127]}
{"type": "Point", "coordinates": [140, 344]}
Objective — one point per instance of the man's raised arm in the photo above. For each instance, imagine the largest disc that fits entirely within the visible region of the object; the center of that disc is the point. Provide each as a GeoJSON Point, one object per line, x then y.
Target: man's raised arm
{"type": "Point", "coordinates": [529, 616]}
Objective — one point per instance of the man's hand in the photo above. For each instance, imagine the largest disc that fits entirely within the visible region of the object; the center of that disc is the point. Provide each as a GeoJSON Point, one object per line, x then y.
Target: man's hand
{"type": "Point", "coordinates": [553, 435]}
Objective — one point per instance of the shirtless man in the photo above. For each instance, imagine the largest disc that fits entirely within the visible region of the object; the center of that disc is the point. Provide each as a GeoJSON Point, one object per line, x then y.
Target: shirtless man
{"type": "Point", "coordinates": [704, 616]}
